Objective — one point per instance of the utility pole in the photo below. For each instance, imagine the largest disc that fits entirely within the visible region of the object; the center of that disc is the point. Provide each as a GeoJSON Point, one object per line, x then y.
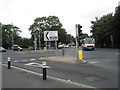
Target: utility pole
{"type": "Point", "coordinates": [35, 41]}
{"type": "Point", "coordinates": [39, 37]}
{"type": "Point", "coordinates": [0, 34]}
{"type": "Point", "coordinates": [39, 40]}
{"type": "Point", "coordinates": [111, 41]}
{"type": "Point", "coordinates": [12, 36]}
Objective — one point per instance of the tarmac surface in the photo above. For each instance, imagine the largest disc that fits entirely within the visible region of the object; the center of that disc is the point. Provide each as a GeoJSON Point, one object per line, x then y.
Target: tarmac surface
{"type": "Point", "coordinates": [14, 78]}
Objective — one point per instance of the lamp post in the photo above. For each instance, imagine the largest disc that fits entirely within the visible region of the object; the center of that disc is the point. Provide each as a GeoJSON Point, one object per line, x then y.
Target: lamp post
{"type": "Point", "coordinates": [12, 36]}
{"type": "Point", "coordinates": [39, 41]}
{"type": "Point", "coordinates": [0, 34]}
{"type": "Point", "coordinates": [35, 40]}
{"type": "Point", "coordinates": [39, 36]}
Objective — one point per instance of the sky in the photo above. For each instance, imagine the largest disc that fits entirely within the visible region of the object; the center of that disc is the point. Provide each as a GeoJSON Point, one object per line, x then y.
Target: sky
{"type": "Point", "coordinates": [70, 12]}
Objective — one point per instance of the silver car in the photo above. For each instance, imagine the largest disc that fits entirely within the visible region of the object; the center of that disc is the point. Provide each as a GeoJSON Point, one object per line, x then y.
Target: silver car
{"type": "Point", "coordinates": [2, 49]}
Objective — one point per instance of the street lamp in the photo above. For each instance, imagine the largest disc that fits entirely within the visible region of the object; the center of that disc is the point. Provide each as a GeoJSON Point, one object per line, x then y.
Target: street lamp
{"type": "Point", "coordinates": [35, 39]}
{"type": "Point", "coordinates": [12, 36]}
{"type": "Point", "coordinates": [0, 34]}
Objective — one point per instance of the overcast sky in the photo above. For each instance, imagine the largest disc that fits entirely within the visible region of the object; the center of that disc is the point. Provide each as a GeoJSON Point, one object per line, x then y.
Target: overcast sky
{"type": "Point", "coordinates": [70, 12]}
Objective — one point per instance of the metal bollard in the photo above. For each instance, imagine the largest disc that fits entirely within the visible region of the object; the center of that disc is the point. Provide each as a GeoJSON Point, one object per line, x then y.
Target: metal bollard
{"type": "Point", "coordinates": [44, 70]}
{"type": "Point", "coordinates": [8, 62]}
{"type": "Point", "coordinates": [63, 52]}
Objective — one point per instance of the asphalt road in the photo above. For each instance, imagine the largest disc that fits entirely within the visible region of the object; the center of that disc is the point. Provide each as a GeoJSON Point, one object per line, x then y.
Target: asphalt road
{"type": "Point", "coordinates": [100, 72]}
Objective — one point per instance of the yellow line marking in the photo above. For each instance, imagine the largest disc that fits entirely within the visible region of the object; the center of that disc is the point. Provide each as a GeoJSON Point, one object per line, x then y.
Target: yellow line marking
{"type": "Point", "coordinates": [54, 78]}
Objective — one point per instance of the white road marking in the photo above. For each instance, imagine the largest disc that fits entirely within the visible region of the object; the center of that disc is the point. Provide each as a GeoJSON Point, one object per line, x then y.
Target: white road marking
{"type": "Point", "coordinates": [24, 60]}
{"type": "Point", "coordinates": [93, 62]}
{"type": "Point", "coordinates": [69, 80]}
{"type": "Point", "coordinates": [117, 53]}
{"type": "Point", "coordinates": [102, 61]}
{"type": "Point", "coordinates": [37, 65]}
{"type": "Point", "coordinates": [34, 64]}
{"type": "Point", "coordinates": [17, 61]}
{"type": "Point", "coordinates": [30, 63]}
{"type": "Point", "coordinates": [32, 59]}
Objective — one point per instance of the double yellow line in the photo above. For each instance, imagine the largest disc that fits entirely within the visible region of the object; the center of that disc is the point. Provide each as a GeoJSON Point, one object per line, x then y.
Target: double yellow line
{"type": "Point", "coordinates": [50, 77]}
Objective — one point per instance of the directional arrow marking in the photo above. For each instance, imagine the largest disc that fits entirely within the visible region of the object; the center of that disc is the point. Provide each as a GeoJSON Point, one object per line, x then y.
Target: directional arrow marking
{"type": "Point", "coordinates": [37, 65]}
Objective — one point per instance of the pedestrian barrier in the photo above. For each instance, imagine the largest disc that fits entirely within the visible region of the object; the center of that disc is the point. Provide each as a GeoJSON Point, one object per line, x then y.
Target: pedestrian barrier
{"type": "Point", "coordinates": [44, 70]}
{"type": "Point", "coordinates": [8, 62]}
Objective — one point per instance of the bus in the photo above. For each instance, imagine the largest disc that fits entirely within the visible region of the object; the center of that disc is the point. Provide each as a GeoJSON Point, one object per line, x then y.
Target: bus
{"type": "Point", "coordinates": [88, 44]}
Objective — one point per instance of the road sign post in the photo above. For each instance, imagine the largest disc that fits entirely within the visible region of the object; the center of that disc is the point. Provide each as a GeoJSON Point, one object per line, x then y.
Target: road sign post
{"type": "Point", "coordinates": [51, 36]}
{"type": "Point", "coordinates": [56, 47]}
{"type": "Point", "coordinates": [46, 48]}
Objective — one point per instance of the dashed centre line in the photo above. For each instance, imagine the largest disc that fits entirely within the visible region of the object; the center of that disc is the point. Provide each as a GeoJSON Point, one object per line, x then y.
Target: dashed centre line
{"type": "Point", "coordinates": [25, 60]}
{"type": "Point", "coordinates": [32, 59]}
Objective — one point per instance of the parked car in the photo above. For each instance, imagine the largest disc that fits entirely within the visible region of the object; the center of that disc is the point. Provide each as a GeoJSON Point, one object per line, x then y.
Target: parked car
{"type": "Point", "coordinates": [61, 46]}
{"type": "Point", "coordinates": [2, 49]}
{"type": "Point", "coordinates": [16, 48]}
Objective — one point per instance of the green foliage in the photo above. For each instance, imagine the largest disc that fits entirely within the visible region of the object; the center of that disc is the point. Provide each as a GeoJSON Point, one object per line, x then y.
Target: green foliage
{"type": "Point", "coordinates": [25, 42]}
{"type": "Point", "coordinates": [7, 35]}
{"type": "Point", "coordinates": [101, 30]}
{"type": "Point", "coordinates": [84, 35]}
{"type": "Point", "coordinates": [115, 28]}
{"type": "Point", "coordinates": [50, 23]}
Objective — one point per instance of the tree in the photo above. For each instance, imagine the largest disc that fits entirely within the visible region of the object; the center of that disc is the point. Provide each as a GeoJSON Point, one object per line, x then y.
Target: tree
{"type": "Point", "coordinates": [49, 23]}
{"type": "Point", "coordinates": [101, 30]}
{"type": "Point", "coordinates": [115, 28]}
{"type": "Point", "coordinates": [25, 42]}
{"type": "Point", "coordinates": [7, 35]}
{"type": "Point", "coordinates": [84, 35]}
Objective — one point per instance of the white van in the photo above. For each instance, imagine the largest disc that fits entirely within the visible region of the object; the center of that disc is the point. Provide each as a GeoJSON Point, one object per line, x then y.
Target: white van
{"type": "Point", "coordinates": [88, 44]}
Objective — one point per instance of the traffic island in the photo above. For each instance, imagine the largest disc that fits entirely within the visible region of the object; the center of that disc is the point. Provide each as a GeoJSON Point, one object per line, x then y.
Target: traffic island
{"type": "Point", "coordinates": [65, 59]}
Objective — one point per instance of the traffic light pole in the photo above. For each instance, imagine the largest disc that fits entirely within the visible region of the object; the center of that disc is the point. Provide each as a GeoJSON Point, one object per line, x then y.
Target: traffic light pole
{"type": "Point", "coordinates": [76, 29]}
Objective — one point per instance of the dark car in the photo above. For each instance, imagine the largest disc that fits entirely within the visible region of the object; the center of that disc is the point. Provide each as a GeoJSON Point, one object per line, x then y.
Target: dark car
{"type": "Point", "coordinates": [2, 49]}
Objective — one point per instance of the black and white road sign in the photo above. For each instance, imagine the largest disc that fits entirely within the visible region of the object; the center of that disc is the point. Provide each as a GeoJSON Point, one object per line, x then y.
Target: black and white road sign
{"type": "Point", "coordinates": [50, 35]}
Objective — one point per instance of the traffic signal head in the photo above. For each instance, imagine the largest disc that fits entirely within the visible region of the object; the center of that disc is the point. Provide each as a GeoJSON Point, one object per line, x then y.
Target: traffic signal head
{"type": "Point", "coordinates": [79, 31]}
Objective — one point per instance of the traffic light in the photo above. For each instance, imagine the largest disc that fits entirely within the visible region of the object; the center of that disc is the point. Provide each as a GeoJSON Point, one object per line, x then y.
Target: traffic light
{"type": "Point", "coordinates": [79, 31]}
